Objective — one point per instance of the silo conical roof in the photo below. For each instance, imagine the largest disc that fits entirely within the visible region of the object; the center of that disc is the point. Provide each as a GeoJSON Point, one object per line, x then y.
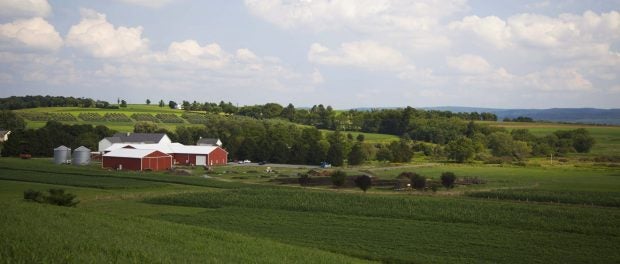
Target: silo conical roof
{"type": "Point", "coordinates": [62, 147]}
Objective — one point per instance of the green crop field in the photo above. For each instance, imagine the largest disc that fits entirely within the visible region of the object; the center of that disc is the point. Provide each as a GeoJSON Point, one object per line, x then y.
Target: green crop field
{"type": "Point", "coordinates": [119, 126]}
{"type": "Point", "coordinates": [560, 213]}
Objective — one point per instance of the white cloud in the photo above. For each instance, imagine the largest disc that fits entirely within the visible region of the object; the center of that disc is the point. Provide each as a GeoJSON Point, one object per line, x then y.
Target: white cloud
{"type": "Point", "coordinates": [24, 8]}
{"type": "Point", "coordinates": [147, 3]}
{"type": "Point", "coordinates": [469, 63]}
{"type": "Point", "coordinates": [33, 33]}
{"type": "Point", "coordinates": [363, 54]}
{"type": "Point", "coordinates": [317, 77]}
{"type": "Point", "coordinates": [96, 36]}
{"type": "Point", "coordinates": [189, 51]}
{"type": "Point", "coordinates": [492, 29]}
{"type": "Point", "coordinates": [557, 79]}
{"type": "Point", "coordinates": [245, 55]}
{"type": "Point", "coordinates": [567, 31]}
{"type": "Point", "coordinates": [415, 25]}
{"type": "Point", "coordinates": [361, 15]}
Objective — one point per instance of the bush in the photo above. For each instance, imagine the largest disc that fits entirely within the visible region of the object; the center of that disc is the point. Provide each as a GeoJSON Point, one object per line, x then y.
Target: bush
{"type": "Point", "coordinates": [363, 182]}
{"type": "Point", "coordinates": [304, 179]}
{"type": "Point", "coordinates": [338, 178]}
{"type": "Point", "coordinates": [59, 197]}
{"type": "Point", "coordinates": [55, 197]}
{"type": "Point", "coordinates": [433, 185]}
{"type": "Point", "coordinates": [448, 179]}
{"type": "Point", "coordinates": [33, 195]}
{"type": "Point", "coordinates": [418, 182]}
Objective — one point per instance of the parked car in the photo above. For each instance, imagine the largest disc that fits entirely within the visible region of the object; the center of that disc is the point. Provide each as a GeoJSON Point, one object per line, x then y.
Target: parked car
{"type": "Point", "coordinates": [325, 165]}
{"type": "Point", "coordinates": [247, 161]}
{"type": "Point", "coordinates": [262, 162]}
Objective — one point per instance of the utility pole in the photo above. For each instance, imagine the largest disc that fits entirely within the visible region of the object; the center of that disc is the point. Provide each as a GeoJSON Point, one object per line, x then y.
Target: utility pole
{"type": "Point", "coordinates": [551, 158]}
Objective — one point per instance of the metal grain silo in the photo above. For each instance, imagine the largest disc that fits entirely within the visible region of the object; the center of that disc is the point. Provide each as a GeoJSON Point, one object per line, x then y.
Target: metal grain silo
{"type": "Point", "coordinates": [62, 155]}
{"type": "Point", "coordinates": [81, 156]}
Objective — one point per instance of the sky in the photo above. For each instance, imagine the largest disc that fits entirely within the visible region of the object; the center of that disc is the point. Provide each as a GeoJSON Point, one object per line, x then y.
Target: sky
{"type": "Point", "coordinates": [343, 53]}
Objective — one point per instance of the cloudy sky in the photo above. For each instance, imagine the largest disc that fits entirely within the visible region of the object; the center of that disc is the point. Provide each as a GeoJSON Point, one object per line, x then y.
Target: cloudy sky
{"type": "Point", "coordinates": [345, 53]}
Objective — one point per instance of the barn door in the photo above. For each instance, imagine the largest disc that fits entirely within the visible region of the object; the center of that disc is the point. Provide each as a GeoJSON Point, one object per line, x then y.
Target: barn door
{"type": "Point", "coordinates": [201, 160]}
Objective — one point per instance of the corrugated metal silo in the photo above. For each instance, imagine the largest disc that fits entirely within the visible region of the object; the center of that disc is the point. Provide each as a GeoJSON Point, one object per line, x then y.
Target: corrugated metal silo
{"type": "Point", "coordinates": [62, 154]}
{"type": "Point", "coordinates": [81, 156]}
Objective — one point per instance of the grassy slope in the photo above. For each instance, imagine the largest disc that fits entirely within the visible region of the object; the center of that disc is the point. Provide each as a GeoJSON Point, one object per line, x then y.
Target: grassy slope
{"type": "Point", "coordinates": [607, 137]}
{"type": "Point", "coordinates": [233, 218]}
{"type": "Point", "coordinates": [119, 126]}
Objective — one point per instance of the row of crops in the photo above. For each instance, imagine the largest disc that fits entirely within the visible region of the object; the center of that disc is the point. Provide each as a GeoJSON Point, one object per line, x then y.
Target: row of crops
{"type": "Point", "coordinates": [192, 118]}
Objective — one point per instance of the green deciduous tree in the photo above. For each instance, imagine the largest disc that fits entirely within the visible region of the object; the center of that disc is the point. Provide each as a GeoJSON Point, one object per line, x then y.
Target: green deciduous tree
{"type": "Point", "coordinates": [364, 182]}
{"type": "Point", "coordinates": [10, 121]}
{"type": "Point", "coordinates": [335, 154]}
{"type": "Point", "coordinates": [338, 178]}
{"type": "Point", "coordinates": [448, 179]}
{"type": "Point", "coordinates": [145, 127]}
{"type": "Point", "coordinates": [460, 150]}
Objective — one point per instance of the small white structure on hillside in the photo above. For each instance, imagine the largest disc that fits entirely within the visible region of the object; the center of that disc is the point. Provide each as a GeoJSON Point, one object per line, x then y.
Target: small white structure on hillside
{"type": "Point", "coordinates": [209, 142]}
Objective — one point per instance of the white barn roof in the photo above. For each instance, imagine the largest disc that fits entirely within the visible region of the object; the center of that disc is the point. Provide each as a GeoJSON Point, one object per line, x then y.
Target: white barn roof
{"type": "Point", "coordinates": [166, 148]}
{"type": "Point", "coordinates": [129, 153]}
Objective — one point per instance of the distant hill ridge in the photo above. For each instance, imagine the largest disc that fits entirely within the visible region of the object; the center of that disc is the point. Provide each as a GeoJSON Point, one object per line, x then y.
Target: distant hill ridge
{"type": "Point", "coordinates": [572, 115]}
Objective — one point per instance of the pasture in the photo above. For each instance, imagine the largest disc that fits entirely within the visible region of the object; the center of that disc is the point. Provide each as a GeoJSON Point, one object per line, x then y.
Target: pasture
{"type": "Point", "coordinates": [607, 137]}
{"type": "Point", "coordinates": [237, 216]}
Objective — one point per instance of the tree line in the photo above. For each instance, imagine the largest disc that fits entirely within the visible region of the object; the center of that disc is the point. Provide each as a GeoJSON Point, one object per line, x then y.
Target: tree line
{"type": "Point", "coordinates": [35, 101]}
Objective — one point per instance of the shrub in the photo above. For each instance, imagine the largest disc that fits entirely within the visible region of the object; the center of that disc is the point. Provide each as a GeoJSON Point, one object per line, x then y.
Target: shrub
{"type": "Point", "coordinates": [418, 182]}
{"type": "Point", "coordinates": [338, 178]}
{"type": "Point", "coordinates": [448, 179]}
{"type": "Point", "coordinates": [363, 182]}
{"type": "Point", "coordinates": [433, 185]}
{"type": "Point", "coordinates": [59, 197]}
{"type": "Point", "coordinates": [55, 197]}
{"type": "Point", "coordinates": [33, 195]}
{"type": "Point", "coordinates": [304, 179]}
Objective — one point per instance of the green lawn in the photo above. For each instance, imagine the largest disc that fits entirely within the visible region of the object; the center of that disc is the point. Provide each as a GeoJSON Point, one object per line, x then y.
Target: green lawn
{"type": "Point", "coordinates": [159, 217]}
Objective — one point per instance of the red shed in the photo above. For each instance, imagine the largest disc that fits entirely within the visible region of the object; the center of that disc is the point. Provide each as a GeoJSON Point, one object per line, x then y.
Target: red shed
{"type": "Point", "coordinates": [137, 159]}
{"type": "Point", "coordinates": [199, 155]}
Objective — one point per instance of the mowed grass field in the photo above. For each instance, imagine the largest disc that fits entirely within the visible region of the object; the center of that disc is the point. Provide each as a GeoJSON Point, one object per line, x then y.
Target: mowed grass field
{"type": "Point", "coordinates": [160, 217]}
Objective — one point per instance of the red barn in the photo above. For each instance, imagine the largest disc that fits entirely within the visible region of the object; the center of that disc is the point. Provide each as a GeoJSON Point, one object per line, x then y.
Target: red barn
{"type": "Point", "coordinates": [199, 155]}
{"type": "Point", "coordinates": [137, 159]}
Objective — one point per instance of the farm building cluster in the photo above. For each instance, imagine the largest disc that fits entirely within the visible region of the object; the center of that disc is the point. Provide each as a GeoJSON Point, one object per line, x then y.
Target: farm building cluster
{"type": "Point", "coordinates": [150, 151]}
